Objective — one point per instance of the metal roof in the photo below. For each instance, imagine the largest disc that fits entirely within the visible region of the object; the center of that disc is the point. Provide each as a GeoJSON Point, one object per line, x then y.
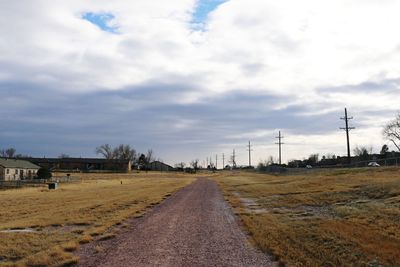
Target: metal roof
{"type": "Point", "coordinates": [17, 163]}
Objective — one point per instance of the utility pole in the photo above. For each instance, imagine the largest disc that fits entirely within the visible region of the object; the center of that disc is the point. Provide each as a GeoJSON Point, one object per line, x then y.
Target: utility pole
{"type": "Point", "coordinates": [223, 160]}
{"type": "Point", "coordinates": [347, 129]}
{"type": "Point", "coordinates": [249, 149]}
{"type": "Point", "coordinates": [207, 163]}
{"type": "Point", "coordinates": [216, 161]}
{"type": "Point", "coordinates": [280, 137]}
{"type": "Point", "coordinates": [233, 160]}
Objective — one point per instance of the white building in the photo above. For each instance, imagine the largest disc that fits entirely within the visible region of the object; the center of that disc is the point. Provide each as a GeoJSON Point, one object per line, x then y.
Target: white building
{"type": "Point", "coordinates": [15, 169]}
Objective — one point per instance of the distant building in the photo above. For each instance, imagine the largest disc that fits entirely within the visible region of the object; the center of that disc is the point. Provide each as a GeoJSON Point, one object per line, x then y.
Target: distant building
{"type": "Point", "coordinates": [83, 164]}
{"type": "Point", "coordinates": [160, 166]}
{"type": "Point", "coordinates": [16, 169]}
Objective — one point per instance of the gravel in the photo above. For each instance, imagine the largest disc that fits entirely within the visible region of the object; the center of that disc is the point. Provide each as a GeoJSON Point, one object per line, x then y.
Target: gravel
{"type": "Point", "coordinates": [193, 227]}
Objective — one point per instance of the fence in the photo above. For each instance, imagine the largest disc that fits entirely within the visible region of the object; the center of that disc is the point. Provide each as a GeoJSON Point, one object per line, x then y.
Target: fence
{"type": "Point", "coordinates": [360, 164]}
{"type": "Point", "coordinates": [22, 183]}
{"type": "Point", "coordinates": [381, 162]}
{"type": "Point", "coordinates": [36, 182]}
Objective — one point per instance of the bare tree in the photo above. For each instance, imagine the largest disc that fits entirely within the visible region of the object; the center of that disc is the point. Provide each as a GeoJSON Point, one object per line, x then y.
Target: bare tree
{"type": "Point", "coordinates": [8, 153]}
{"type": "Point", "coordinates": [149, 156]}
{"type": "Point", "coordinates": [105, 150]}
{"type": "Point", "coordinates": [124, 152]}
{"type": "Point", "coordinates": [313, 159]}
{"type": "Point", "coordinates": [180, 165]}
{"type": "Point", "coordinates": [392, 131]}
{"type": "Point", "coordinates": [330, 156]}
{"type": "Point", "coordinates": [362, 152]}
{"type": "Point", "coordinates": [195, 164]}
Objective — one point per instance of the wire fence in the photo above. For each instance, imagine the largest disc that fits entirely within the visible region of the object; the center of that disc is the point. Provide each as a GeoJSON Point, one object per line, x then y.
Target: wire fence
{"type": "Point", "coordinates": [380, 162]}
{"type": "Point", "coordinates": [37, 182]}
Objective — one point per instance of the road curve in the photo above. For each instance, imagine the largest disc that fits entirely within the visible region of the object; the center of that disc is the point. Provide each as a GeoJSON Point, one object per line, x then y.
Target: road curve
{"type": "Point", "coordinates": [193, 227]}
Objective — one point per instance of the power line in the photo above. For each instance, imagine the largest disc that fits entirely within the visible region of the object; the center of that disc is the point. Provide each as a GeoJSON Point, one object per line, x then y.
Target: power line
{"type": "Point", "coordinates": [347, 129]}
{"type": "Point", "coordinates": [280, 146]}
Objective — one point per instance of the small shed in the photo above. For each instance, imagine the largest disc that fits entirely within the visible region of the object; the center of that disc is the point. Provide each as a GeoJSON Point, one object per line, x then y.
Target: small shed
{"type": "Point", "coordinates": [53, 186]}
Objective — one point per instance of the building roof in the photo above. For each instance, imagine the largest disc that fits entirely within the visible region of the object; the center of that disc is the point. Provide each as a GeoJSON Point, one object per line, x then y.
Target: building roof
{"type": "Point", "coordinates": [78, 160]}
{"type": "Point", "coordinates": [160, 163]}
{"type": "Point", "coordinates": [17, 163]}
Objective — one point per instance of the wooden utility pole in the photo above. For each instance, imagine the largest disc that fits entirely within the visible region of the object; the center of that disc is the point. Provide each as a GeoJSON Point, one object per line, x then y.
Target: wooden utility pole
{"type": "Point", "coordinates": [280, 137]}
{"type": "Point", "coordinates": [216, 161]}
{"type": "Point", "coordinates": [249, 149]}
{"type": "Point", "coordinates": [347, 129]}
{"type": "Point", "coordinates": [223, 161]}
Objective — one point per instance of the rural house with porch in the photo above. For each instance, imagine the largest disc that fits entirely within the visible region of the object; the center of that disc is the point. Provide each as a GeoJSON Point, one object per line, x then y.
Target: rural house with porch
{"type": "Point", "coordinates": [16, 169]}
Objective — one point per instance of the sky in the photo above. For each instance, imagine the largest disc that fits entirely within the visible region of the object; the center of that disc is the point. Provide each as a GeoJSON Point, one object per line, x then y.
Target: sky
{"type": "Point", "coordinates": [193, 79]}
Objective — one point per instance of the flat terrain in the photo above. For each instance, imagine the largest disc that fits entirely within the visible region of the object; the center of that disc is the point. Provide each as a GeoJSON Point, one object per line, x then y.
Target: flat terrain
{"type": "Point", "coordinates": [39, 227]}
{"type": "Point", "coordinates": [320, 218]}
{"type": "Point", "coordinates": [325, 218]}
{"type": "Point", "coordinates": [194, 227]}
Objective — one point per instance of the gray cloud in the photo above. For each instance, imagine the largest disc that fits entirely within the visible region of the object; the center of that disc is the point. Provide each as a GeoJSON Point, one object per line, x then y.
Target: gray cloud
{"type": "Point", "coordinates": [47, 122]}
{"type": "Point", "coordinates": [257, 67]}
{"type": "Point", "coordinates": [387, 86]}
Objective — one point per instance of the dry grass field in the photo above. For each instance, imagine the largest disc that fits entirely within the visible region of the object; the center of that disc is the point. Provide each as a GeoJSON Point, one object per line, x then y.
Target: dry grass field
{"type": "Point", "coordinates": [47, 226]}
{"type": "Point", "coordinates": [325, 218]}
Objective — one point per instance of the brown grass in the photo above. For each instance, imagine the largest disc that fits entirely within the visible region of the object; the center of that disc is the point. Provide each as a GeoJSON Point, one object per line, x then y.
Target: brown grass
{"type": "Point", "coordinates": [325, 218]}
{"type": "Point", "coordinates": [75, 213]}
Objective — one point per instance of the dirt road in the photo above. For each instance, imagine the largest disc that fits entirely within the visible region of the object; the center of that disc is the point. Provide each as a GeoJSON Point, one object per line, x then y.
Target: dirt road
{"type": "Point", "coordinates": [194, 227]}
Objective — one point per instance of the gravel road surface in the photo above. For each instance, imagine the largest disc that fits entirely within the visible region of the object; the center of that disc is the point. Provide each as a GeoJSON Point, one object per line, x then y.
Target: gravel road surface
{"type": "Point", "coordinates": [193, 227]}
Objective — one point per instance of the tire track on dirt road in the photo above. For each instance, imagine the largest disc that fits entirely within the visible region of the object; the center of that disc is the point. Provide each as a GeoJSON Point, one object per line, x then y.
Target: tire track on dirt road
{"type": "Point", "coordinates": [193, 227]}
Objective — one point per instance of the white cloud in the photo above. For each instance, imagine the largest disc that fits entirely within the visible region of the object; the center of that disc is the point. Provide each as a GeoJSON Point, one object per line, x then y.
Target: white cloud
{"type": "Point", "coordinates": [287, 48]}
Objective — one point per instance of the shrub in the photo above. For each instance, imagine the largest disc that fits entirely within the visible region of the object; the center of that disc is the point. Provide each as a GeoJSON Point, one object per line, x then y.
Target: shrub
{"type": "Point", "coordinates": [44, 173]}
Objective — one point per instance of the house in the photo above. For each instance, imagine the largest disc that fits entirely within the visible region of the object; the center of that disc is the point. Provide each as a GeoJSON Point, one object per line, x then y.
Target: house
{"type": "Point", "coordinates": [16, 169]}
{"type": "Point", "coordinates": [83, 164]}
{"type": "Point", "coordinates": [159, 166]}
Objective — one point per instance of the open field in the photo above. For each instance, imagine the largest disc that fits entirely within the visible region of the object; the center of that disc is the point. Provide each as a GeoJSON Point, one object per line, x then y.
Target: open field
{"type": "Point", "coordinates": [47, 226]}
{"type": "Point", "coordinates": [326, 218]}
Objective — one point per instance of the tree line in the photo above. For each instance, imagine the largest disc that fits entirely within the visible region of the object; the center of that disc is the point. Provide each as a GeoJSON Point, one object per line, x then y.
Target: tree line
{"type": "Point", "coordinates": [11, 153]}
{"type": "Point", "coordinates": [121, 152]}
{"type": "Point", "coordinates": [390, 132]}
{"type": "Point", "coordinates": [126, 152]}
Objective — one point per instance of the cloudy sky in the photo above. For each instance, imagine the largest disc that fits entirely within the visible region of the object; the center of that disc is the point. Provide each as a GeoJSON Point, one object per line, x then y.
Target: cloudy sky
{"type": "Point", "coordinates": [195, 78]}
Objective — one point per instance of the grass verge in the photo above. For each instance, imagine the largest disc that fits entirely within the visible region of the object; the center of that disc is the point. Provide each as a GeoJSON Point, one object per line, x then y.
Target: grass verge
{"type": "Point", "coordinates": [327, 218]}
{"type": "Point", "coordinates": [46, 226]}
